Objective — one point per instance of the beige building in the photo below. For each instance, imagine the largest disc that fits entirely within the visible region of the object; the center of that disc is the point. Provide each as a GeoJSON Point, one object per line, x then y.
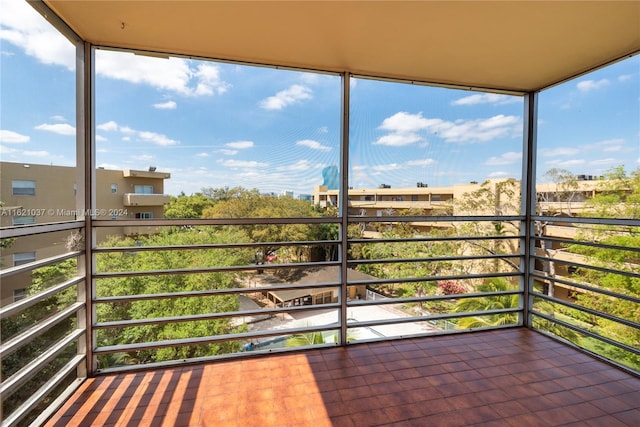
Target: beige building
{"type": "Point", "coordinates": [552, 199]}
{"type": "Point", "coordinates": [38, 194]}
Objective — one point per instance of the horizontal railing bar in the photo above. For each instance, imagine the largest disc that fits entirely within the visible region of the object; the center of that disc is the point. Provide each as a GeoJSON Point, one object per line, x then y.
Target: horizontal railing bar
{"type": "Point", "coordinates": [211, 316]}
{"type": "Point", "coordinates": [38, 264]}
{"type": "Point", "coordinates": [432, 278]}
{"type": "Point", "coordinates": [213, 246]}
{"type": "Point", "coordinates": [412, 319]}
{"type": "Point", "coordinates": [212, 292]}
{"type": "Point", "coordinates": [586, 332]}
{"type": "Point", "coordinates": [588, 266]}
{"type": "Point", "coordinates": [214, 221]}
{"type": "Point", "coordinates": [587, 310]}
{"type": "Point", "coordinates": [427, 298]}
{"type": "Point", "coordinates": [433, 239]}
{"type": "Point", "coordinates": [586, 287]}
{"type": "Point", "coordinates": [36, 398]}
{"type": "Point", "coordinates": [213, 269]}
{"type": "Point", "coordinates": [33, 229]}
{"type": "Point", "coordinates": [587, 243]}
{"type": "Point", "coordinates": [587, 220]}
{"type": "Point", "coordinates": [430, 259]}
{"type": "Point", "coordinates": [32, 368]}
{"type": "Point", "coordinates": [211, 339]}
{"type": "Point", "coordinates": [400, 219]}
{"type": "Point", "coordinates": [38, 329]}
{"type": "Point", "coordinates": [63, 397]}
{"type": "Point", "coordinates": [32, 300]}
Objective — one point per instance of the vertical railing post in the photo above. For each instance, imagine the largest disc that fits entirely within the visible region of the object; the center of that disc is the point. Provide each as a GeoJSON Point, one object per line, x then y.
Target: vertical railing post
{"type": "Point", "coordinates": [343, 208]}
{"type": "Point", "coordinates": [528, 202]}
{"type": "Point", "coordinates": [85, 198]}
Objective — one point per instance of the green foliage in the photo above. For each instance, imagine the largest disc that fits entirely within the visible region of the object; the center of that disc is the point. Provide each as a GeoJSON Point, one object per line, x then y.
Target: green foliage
{"type": "Point", "coordinates": [250, 204]}
{"type": "Point", "coordinates": [494, 284]}
{"type": "Point", "coordinates": [170, 283]}
{"type": "Point", "coordinates": [187, 206]}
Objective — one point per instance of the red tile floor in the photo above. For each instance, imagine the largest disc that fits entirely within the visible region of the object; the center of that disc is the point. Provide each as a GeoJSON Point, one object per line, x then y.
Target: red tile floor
{"type": "Point", "coordinates": [509, 377]}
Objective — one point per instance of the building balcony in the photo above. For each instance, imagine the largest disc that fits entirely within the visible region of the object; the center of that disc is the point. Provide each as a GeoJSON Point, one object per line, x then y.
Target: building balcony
{"type": "Point", "coordinates": [130, 173]}
{"type": "Point", "coordinates": [138, 199]}
{"type": "Point", "coordinates": [513, 377]}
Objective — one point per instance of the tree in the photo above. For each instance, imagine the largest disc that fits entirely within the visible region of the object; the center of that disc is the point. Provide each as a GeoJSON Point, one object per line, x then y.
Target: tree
{"type": "Point", "coordinates": [165, 307]}
{"type": "Point", "coordinates": [187, 206]}
{"type": "Point", "coordinates": [249, 204]}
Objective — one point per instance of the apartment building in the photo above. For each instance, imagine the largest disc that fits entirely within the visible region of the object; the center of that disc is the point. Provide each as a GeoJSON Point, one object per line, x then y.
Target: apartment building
{"type": "Point", "coordinates": [38, 194]}
{"type": "Point", "coordinates": [553, 199]}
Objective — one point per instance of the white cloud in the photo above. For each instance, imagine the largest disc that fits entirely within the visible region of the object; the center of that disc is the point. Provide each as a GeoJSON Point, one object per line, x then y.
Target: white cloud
{"type": "Point", "coordinates": [625, 77]}
{"type": "Point", "coordinates": [589, 85]}
{"type": "Point", "coordinates": [403, 129]}
{"type": "Point", "coordinates": [314, 145]}
{"type": "Point", "coordinates": [398, 166]}
{"type": "Point", "coordinates": [7, 150]}
{"type": "Point", "coordinates": [11, 137]}
{"type": "Point", "coordinates": [487, 98]}
{"type": "Point", "coordinates": [603, 162]}
{"type": "Point", "coordinates": [59, 128]}
{"type": "Point", "coordinates": [243, 164]}
{"type": "Point", "coordinates": [421, 162]}
{"type": "Point", "coordinates": [504, 159]}
{"type": "Point", "coordinates": [498, 174]}
{"type": "Point", "coordinates": [388, 167]}
{"type": "Point", "coordinates": [100, 138]}
{"type": "Point", "coordinates": [36, 153]}
{"type": "Point", "coordinates": [284, 98]}
{"type": "Point", "coordinates": [26, 29]}
{"type": "Point", "coordinates": [202, 155]}
{"type": "Point", "coordinates": [323, 129]}
{"type": "Point", "coordinates": [108, 126]}
{"type": "Point", "coordinates": [58, 118]}
{"type": "Point", "coordinates": [157, 138]}
{"type": "Point", "coordinates": [169, 105]}
{"type": "Point", "coordinates": [560, 151]}
{"type": "Point", "coordinates": [144, 157]}
{"type": "Point", "coordinates": [299, 166]}
{"type": "Point", "coordinates": [228, 152]}
{"type": "Point", "coordinates": [171, 74]}
{"type": "Point", "coordinates": [240, 145]}
{"type": "Point", "coordinates": [398, 139]}
{"type": "Point", "coordinates": [566, 163]}
{"type": "Point", "coordinates": [607, 145]}
{"type": "Point", "coordinates": [146, 136]}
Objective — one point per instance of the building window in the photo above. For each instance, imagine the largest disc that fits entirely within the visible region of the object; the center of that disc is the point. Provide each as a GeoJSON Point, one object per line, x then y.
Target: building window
{"type": "Point", "coordinates": [23, 258]}
{"type": "Point", "coordinates": [414, 198]}
{"type": "Point", "coordinates": [435, 198]}
{"type": "Point", "coordinates": [75, 189]}
{"type": "Point", "coordinates": [23, 188]}
{"type": "Point", "coordinates": [144, 215]}
{"type": "Point", "coordinates": [114, 188]}
{"type": "Point", "coordinates": [23, 220]}
{"type": "Point", "coordinates": [19, 294]}
{"type": "Point", "coordinates": [143, 189]}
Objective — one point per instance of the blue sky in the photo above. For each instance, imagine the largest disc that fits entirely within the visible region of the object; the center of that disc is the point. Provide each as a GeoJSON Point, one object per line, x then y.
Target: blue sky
{"type": "Point", "coordinates": [212, 124]}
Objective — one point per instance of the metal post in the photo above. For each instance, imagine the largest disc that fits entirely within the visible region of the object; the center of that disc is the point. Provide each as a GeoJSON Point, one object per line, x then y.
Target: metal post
{"type": "Point", "coordinates": [343, 210]}
{"type": "Point", "coordinates": [528, 201]}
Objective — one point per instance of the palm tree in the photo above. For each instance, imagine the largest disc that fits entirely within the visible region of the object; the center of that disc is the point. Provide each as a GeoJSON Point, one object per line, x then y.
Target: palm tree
{"type": "Point", "coordinates": [499, 302]}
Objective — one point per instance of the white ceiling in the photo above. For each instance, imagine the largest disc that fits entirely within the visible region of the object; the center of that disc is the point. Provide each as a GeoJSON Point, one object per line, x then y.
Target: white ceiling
{"type": "Point", "coordinates": [501, 45]}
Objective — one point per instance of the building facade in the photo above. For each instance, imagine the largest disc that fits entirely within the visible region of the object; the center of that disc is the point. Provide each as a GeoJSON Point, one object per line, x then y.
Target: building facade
{"type": "Point", "coordinates": [38, 194]}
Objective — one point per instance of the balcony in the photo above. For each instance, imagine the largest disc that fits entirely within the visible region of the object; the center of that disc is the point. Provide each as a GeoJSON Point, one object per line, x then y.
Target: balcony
{"type": "Point", "coordinates": [139, 199]}
{"type": "Point", "coordinates": [448, 321]}
{"type": "Point", "coordinates": [511, 377]}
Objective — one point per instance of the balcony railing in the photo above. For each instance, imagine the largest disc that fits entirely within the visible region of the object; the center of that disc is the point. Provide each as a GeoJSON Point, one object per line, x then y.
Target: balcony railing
{"type": "Point", "coordinates": [138, 199]}
{"type": "Point", "coordinates": [205, 294]}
